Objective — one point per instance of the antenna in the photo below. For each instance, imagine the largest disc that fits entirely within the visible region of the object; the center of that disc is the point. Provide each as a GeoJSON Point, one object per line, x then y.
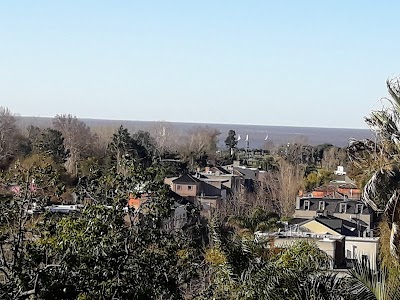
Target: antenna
{"type": "Point", "coordinates": [247, 146]}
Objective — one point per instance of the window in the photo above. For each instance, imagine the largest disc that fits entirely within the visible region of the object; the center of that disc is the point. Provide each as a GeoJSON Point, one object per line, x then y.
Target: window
{"type": "Point", "coordinates": [359, 208]}
{"type": "Point", "coordinates": [178, 187]}
{"type": "Point", "coordinates": [306, 205]}
{"type": "Point", "coordinates": [321, 205]}
{"type": "Point", "coordinates": [342, 208]}
{"type": "Point", "coordinates": [189, 187]}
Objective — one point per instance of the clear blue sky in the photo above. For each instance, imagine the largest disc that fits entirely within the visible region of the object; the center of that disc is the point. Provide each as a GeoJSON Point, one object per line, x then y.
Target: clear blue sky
{"type": "Point", "coordinates": [301, 63]}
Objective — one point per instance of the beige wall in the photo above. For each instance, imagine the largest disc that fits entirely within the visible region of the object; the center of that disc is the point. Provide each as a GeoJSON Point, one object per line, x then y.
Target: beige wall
{"type": "Point", "coordinates": [308, 214]}
{"type": "Point", "coordinates": [185, 189]}
{"type": "Point", "coordinates": [169, 180]}
{"type": "Point", "coordinates": [316, 227]}
{"type": "Point", "coordinates": [365, 218]}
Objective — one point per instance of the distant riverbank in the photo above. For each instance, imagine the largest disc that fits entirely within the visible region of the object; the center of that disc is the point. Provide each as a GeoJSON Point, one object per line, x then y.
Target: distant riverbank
{"type": "Point", "coordinates": [259, 135]}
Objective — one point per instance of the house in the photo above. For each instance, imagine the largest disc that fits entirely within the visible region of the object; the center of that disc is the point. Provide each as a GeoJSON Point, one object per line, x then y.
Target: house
{"type": "Point", "coordinates": [337, 190]}
{"type": "Point", "coordinates": [179, 209]}
{"type": "Point", "coordinates": [197, 190]}
{"type": "Point", "coordinates": [334, 226]}
{"type": "Point", "coordinates": [344, 250]}
{"type": "Point", "coordinates": [221, 177]}
{"type": "Point", "coordinates": [249, 177]}
{"type": "Point", "coordinates": [333, 245]}
{"type": "Point", "coordinates": [343, 208]}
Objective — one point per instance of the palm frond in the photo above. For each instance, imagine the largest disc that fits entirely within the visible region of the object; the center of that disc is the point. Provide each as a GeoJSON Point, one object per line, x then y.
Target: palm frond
{"type": "Point", "coordinates": [364, 283]}
{"type": "Point", "coordinates": [394, 239]}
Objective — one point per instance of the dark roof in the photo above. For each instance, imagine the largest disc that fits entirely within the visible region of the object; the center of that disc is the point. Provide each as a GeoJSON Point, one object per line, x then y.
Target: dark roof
{"type": "Point", "coordinates": [178, 198]}
{"type": "Point", "coordinates": [332, 205]}
{"type": "Point", "coordinates": [247, 173]}
{"type": "Point", "coordinates": [209, 190]}
{"type": "Point", "coordinates": [295, 221]}
{"type": "Point", "coordinates": [186, 178]}
{"type": "Point", "coordinates": [343, 227]}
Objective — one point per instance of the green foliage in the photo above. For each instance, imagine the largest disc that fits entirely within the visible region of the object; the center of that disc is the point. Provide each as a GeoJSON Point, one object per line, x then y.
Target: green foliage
{"type": "Point", "coordinates": [139, 147]}
{"type": "Point", "coordinates": [304, 256]}
{"type": "Point", "coordinates": [378, 163]}
{"type": "Point", "coordinates": [298, 272]}
{"type": "Point", "coordinates": [257, 220]}
{"type": "Point", "coordinates": [101, 252]}
{"type": "Point", "coordinates": [317, 178]}
{"type": "Point", "coordinates": [50, 142]}
{"type": "Point", "coordinates": [231, 140]}
{"type": "Point", "coordinates": [19, 263]}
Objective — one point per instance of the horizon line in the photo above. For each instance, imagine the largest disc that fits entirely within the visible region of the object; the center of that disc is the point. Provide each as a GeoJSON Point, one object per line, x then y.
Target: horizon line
{"type": "Point", "coordinates": [202, 123]}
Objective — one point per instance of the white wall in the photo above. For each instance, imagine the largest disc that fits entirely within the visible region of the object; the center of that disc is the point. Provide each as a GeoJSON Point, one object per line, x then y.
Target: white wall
{"type": "Point", "coordinates": [356, 247]}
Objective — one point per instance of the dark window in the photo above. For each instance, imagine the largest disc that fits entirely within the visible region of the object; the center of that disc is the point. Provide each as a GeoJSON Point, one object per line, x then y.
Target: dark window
{"type": "Point", "coordinates": [189, 187]}
{"type": "Point", "coordinates": [306, 205]}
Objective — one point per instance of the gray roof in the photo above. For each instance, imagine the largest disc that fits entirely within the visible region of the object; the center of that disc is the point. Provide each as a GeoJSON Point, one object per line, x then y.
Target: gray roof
{"type": "Point", "coordinates": [343, 227]}
{"type": "Point", "coordinates": [247, 173]}
{"type": "Point", "coordinates": [333, 205]}
{"type": "Point", "coordinates": [186, 178]}
{"type": "Point", "coordinates": [209, 190]}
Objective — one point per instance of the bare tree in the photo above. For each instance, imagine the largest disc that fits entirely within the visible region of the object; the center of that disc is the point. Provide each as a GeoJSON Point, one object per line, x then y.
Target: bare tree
{"type": "Point", "coordinates": [290, 180]}
{"type": "Point", "coordinates": [78, 139]}
{"type": "Point", "coordinates": [199, 143]}
{"type": "Point", "coordinates": [8, 134]}
{"type": "Point", "coordinates": [167, 137]}
{"type": "Point", "coordinates": [333, 157]}
{"type": "Point", "coordinates": [278, 189]}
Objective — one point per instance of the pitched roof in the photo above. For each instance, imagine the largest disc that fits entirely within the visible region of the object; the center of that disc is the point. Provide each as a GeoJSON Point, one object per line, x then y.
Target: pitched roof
{"type": "Point", "coordinates": [247, 172]}
{"type": "Point", "coordinates": [186, 178]}
{"type": "Point", "coordinates": [178, 198]}
{"type": "Point", "coordinates": [332, 205]}
{"type": "Point", "coordinates": [209, 190]}
{"type": "Point", "coordinates": [221, 170]}
{"type": "Point", "coordinates": [344, 227]}
{"type": "Point", "coordinates": [295, 221]}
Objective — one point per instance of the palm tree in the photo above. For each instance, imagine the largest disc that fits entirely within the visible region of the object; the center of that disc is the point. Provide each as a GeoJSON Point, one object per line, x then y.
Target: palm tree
{"type": "Point", "coordinates": [380, 162]}
{"type": "Point", "coordinates": [257, 220]}
{"type": "Point", "coordinates": [367, 284]}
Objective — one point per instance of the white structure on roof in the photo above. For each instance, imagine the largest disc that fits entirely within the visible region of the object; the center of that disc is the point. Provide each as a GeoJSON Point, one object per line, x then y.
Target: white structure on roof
{"type": "Point", "coordinates": [340, 171]}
